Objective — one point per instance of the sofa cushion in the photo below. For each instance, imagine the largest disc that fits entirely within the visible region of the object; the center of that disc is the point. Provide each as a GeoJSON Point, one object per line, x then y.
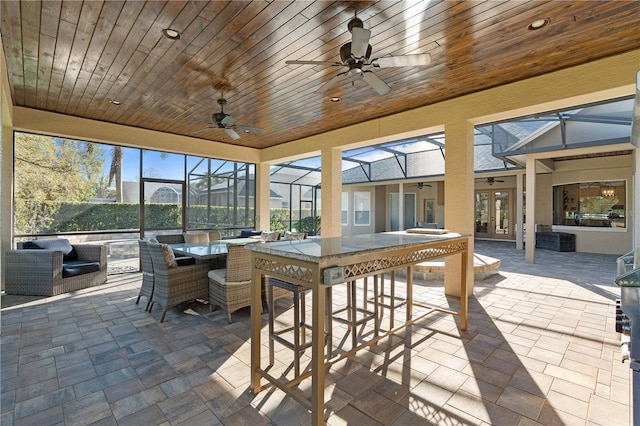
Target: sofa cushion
{"type": "Point", "coordinates": [74, 268]}
{"type": "Point", "coordinates": [58, 244]}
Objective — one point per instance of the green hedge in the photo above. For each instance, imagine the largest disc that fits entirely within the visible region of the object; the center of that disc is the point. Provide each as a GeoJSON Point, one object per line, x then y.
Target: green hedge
{"type": "Point", "coordinates": [85, 217]}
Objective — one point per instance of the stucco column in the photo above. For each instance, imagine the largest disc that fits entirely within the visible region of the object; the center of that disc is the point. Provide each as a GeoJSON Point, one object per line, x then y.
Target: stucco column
{"type": "Point", "coordinates": [401, 206]}
{"type": "Point", "coordinates": [263, 199]}
{"type": "Point", "coordinates": [635, 212]}
{"type": "Point", "coordinates": [530, 247]}
{"type": "Point", "coordinates": [458, 199]}
{"type": "Point", "coordinates": [6, 165]}
{"type": "Point", "coordinates": [635, 140]}
{"type": "Point", "coordinates": [519, 212]}
{"type": "Point", "coordinates": [331, 198]}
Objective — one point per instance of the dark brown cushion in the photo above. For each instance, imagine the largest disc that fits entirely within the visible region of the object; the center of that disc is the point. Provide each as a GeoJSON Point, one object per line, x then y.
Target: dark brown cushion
{"type": "Point", "coordinates": [74, 268]}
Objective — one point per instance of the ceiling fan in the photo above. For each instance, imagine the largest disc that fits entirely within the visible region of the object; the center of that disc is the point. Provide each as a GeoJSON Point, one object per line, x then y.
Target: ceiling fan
{"type": "Point", "coordinates": [355, 56]}
{"type": "Point", "coordinates": [420, 185]}
{"type": "Point", "coordinates": [491, 180]}
{"type": "Point", "coordinates": [225, 122]}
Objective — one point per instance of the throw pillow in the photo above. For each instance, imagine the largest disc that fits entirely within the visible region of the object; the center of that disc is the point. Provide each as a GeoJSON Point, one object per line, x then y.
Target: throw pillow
{"type": "Point", "coordinates": [270, 236]}
{"type": "Point", "coordinates": [169, 257]}
{"type": "Point", "coordinates": [294, 235]}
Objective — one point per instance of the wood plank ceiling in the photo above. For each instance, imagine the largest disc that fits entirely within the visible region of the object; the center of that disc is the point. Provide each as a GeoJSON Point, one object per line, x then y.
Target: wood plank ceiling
{"type": "Point", "coordinates": [74, 57]}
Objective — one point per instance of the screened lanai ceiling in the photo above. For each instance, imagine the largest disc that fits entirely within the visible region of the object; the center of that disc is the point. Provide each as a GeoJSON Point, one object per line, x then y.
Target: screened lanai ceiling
{"type": "Point", "coordinates": [497, 146]}
{"type": "Point", "coordinates": [110, 61]}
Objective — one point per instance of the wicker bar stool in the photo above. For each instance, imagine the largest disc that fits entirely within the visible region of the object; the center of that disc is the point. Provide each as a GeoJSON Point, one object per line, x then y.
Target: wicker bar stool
{"type": "Point", "coordinates": [277, 288]}
{"type": "Point", "coordinates": [359, 315]}
{"type": "Point", "coordinates": [299, 327]}
{"type": "Point", "coordinates": [388, 300]}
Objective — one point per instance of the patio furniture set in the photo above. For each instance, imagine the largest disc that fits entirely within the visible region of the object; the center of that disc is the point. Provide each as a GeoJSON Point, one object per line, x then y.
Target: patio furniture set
{"type": "Point", "coordinates": [216, 270]}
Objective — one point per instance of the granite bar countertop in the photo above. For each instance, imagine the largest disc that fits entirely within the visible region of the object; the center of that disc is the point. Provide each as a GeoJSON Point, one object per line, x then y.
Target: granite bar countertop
{"type": "Point", "coordinates": [324, 249]}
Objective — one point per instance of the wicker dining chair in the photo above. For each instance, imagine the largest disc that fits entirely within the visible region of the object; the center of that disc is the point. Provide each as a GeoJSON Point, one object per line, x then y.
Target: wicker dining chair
{"type": "Point", "coordinates": [170, 238]}
{"type": "Point", "coordinates": [176, 284]}
{"type": "Point", "coordinates": [146, 289]}
{"type": "Point", "coordinates": [215, 236]}
{"type": "Point", "coordinates": [230, 288]}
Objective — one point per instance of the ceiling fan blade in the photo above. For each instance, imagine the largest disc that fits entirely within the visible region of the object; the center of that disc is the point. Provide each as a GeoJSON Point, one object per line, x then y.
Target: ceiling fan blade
{"type": "Point", "coordinates": [232, 134]}
{"type": "Point", "coordinates": [335, 64]}
{"type": "Point", "coordinates": [248, 129]}
{"type": "Point", "coordinates": [331, 82]}
{"type": "Point", "coordinates": [228, 120]}
{"type": "Point", "coordinates": [202, 130]}
{"type": "Point", "coordinates": [376, 83]}
{"type": "Point", "coordinates": [402, 61]}
{"type": "Point", "coordinates": [359, 41]}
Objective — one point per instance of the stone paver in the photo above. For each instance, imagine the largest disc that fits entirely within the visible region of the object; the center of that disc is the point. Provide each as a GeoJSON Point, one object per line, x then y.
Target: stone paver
{"type": "Point", "coordinates": [540, 349]}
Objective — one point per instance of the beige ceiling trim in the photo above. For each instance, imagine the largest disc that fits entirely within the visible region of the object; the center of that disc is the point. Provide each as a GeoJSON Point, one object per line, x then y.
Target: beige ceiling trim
{"type": "Point", "coordinates": [31, 120]}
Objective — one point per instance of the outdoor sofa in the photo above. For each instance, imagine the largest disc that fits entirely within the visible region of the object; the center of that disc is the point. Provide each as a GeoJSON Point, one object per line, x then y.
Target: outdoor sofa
{"type": "Point", "coordinates": [54, 266]}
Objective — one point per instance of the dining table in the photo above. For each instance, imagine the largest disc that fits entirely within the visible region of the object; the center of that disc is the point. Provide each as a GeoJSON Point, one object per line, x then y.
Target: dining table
{"type": "Point", "coordinates": [213, 252]}
{"type": "Point", "coordinates": [320, 263]}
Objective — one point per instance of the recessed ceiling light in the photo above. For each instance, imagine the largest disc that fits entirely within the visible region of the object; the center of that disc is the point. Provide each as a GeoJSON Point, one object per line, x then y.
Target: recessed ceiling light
{"type": "Point", "coordinates": [537, 24]}
{"type": "Point", "coordinates": [115, 102]}
{"type": "Point", "coordinates": [171, 33]}
{"type": "Point", "coordinates": [335, 99]}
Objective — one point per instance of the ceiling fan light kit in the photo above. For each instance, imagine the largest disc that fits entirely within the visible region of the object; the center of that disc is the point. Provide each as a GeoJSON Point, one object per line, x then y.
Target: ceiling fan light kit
{"type": "Point", "coordinates": [355, 56]}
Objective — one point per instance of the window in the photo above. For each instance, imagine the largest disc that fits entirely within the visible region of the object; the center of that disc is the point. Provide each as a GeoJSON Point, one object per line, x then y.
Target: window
{"type": "Point", "coordinates": [591, 204]}
{"type": "Point", "coordinates": [361, 208]}
{"type": "Point", "coordinates": [166, 195]}
{"type": "Point", "coordinates": [64, 186]}
{"type": "Point", "coordinates": [345, 208]}
{"type": "Point", "coordinates": [429, 213]}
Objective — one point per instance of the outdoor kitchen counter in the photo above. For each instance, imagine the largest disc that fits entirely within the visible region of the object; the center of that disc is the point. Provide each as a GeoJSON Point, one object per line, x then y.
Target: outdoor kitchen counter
{"type": "Point", "coordinates": [316, 263]}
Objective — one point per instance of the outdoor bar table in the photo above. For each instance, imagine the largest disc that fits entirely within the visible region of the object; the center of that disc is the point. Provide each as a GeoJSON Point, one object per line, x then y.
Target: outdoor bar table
{"type": "Point", "coordinates": [319, 262]}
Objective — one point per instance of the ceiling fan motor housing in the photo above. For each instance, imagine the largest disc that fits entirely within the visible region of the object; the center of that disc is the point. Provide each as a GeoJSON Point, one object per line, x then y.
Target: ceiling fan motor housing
{"type": "Point", "coordinates": [218, 117]}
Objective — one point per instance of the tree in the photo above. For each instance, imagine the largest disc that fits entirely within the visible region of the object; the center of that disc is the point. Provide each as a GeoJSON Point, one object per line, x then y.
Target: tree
{"type": "Point", "coordinates": [48, 171]}
{"type": "Point", "coordinates": [115, 172]}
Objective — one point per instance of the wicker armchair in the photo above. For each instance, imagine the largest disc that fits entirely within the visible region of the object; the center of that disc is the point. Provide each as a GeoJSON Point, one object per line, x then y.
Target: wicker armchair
{"type": "Point", "coordinates": [40, 272]}
{"type": "Point", "coordinates": [230, 288]}
{"type": "Point", "coordinates": [174, 285]}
